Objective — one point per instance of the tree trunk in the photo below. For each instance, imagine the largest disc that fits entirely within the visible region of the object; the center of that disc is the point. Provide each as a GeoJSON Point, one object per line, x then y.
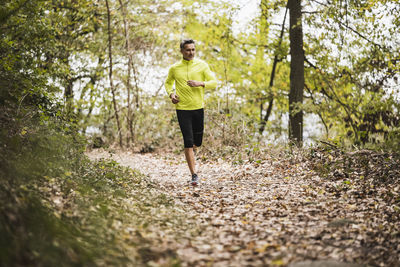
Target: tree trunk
{"type": "Point", "coordinates": [135, 76]}
{"type": "Point", "coordinates": [296, 73]}
{"type": "Point", "coordinates": [271, 80]}
{"type": "Point", "coordinates": [69, 96]}
{"type": "Point", "coordinates": [129, 116]}
{"type": "Point", "coordinates": [111, 71]}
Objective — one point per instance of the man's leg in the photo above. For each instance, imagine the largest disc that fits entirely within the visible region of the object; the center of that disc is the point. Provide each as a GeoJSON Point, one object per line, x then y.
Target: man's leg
{"type": "Point", "coordinates": [185, 123]}
{"type": "Point", "coordinates": [189, 155]}
{"type": "Point", "coordinates": [197, 129]}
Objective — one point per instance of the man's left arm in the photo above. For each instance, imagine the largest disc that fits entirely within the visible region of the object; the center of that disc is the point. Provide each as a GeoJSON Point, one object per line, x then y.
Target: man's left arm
{"type": "Point", "coordinates": [210, 82]}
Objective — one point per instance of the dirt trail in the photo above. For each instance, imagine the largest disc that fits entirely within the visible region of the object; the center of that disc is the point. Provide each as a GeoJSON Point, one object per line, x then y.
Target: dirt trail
{"type": "Point", "coordinates": [270, 213]}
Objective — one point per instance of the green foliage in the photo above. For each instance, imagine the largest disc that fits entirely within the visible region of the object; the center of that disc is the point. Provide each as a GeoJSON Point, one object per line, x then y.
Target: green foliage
{"type": "Point", "coordinates": [353, 71]}
{"type": "Point", "coordinates": [352, 62]}
{"type": "Point", "coordinates": [351, 66]}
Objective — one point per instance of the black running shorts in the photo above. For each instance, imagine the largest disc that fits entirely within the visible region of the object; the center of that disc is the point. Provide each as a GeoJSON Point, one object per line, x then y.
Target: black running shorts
{"type": "Point", "coordinates": [192, 126]}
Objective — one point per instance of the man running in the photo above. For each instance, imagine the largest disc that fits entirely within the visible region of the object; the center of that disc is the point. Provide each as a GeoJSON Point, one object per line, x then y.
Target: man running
{"type": "Point", "coordinates": [191, 76]}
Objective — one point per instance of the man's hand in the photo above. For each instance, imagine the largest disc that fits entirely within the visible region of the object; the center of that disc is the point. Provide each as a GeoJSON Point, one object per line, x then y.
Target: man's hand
{"type": "Point", "coordinates": [192, 83]}
{"type": "Point", "coordinates": [174, 98]}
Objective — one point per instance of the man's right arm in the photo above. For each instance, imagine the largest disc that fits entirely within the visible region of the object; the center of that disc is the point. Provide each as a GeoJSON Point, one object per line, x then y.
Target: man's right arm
{"type": "Point", "coordinates": [169, 82]}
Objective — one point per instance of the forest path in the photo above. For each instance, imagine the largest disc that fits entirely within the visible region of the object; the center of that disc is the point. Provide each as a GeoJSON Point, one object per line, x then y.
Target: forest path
{"type": "Point", "coordinates": [270, 213]}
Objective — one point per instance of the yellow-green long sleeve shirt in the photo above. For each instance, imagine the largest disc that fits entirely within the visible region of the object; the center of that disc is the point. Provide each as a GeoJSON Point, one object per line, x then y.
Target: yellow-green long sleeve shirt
{"type": "Point", "coordinates": [190, 98]}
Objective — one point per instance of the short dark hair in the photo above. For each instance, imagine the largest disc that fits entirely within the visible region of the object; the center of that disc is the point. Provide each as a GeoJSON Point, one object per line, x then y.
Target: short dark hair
{"type": "Point", "coordinates": [185, 42]}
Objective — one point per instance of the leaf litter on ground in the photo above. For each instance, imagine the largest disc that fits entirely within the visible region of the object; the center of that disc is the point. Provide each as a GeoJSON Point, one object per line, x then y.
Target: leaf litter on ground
{"type": "Point", "coordinates": [325, 205]}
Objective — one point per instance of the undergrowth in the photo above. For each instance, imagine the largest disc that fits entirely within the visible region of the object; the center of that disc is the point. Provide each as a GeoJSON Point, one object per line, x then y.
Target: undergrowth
{"type": "Point", "coordinates": [58, 208]}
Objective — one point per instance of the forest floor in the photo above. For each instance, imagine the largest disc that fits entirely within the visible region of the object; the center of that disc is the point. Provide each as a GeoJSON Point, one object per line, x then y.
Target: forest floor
{"type": "Point", "coordinates": [274, 212]}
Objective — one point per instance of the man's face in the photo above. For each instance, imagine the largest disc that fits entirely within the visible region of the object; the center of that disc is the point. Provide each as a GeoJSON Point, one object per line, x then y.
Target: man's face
{"type": "Point", "coordinates": [188, 51]}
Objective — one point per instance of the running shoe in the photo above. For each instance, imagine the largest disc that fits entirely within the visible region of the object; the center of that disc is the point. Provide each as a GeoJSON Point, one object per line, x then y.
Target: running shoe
{"type": "Point", "coordinates": [195, 179]}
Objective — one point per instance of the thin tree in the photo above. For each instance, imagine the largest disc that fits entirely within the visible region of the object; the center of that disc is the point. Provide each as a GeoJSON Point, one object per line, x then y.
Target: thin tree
{"type": "Point", "coordinates": [111, 71]}
{"type": "Point", "coordinates": [271, 79]}
{"type": "Point", "coordinates": [296, 73]}
{"type": "Point", "coordinates": [129, 117]}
